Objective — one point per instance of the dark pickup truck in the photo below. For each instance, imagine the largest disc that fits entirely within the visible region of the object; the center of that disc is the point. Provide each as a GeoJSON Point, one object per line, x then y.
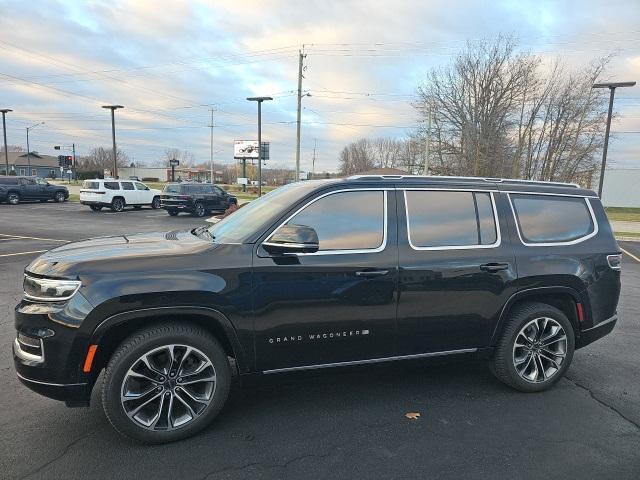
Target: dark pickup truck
{"type": "Point", "coordinates": [14, 189]}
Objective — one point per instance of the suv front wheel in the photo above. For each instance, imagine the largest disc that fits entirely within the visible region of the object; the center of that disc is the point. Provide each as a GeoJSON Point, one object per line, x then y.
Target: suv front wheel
{"type": "Point", "coordinates": [13, 198]}
{"type": "Point", "coordinates": [166, 383]}
{"type": "Point", "coordinates": [536, 348]}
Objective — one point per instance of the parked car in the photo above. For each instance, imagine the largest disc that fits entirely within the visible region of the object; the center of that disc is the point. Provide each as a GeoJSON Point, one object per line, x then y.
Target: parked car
{"type": "Point", "coordinates": [199, 199]}
{"type": "Point", "coordinates": [320, 274]}
{"type": "Point", "coordinates": [117, 194]}
{"type": "Point", "coordinates": [134, 177]}
{"type": "Point", "coordinates": [14, 189]}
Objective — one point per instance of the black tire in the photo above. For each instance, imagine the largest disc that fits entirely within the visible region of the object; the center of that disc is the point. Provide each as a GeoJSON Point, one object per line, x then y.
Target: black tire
{"type": "Point", "coordinates": [155, 203]}
{"type": "Point", "coordinates": [172, 212]}
{"type": "Point", "coordinates": [145, 341]}
{"type": "Point", "coordinates": [13, 199]}
{"type": "Point", "coordinates": [117, 204]}
{"type": "Point", "coordinates": [59, 197]}
{"type": "Point", "coordinates": [199, 210]}
{"type": "Point", "coordinates": [503, 366]}
{"type": "Point", "coordinates": [95, 208]}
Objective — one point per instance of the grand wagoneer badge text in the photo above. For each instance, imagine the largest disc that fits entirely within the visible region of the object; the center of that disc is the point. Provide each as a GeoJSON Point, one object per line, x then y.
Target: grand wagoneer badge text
{"type": "Point", "coordinates": [318, 336]}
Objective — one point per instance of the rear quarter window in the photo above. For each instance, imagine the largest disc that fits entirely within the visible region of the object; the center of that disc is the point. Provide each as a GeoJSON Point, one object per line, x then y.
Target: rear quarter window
{"type": "Point", "coordinates": [552, 219]}
{"type": "Point", "coordinates": [8, 181]}
{"type": "Point", "coordinates": [90, 185]}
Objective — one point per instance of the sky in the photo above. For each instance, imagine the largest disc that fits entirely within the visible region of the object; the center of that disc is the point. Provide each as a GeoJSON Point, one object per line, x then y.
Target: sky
{"type": "Point", "coordinates": [170, 62]}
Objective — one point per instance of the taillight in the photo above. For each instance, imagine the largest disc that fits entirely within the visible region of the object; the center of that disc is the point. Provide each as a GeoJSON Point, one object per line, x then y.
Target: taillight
{"type": "Point", "coordinates": [615, 261]}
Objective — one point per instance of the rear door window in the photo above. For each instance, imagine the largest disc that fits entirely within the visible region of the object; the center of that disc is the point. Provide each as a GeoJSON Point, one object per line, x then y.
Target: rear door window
{"type": "Point", "coordinates": [112, 185]}
{"type": "Point", "coordinates": [442, 219]}
{"type": "Point", "coordinates": [552, 219]}
{"type": "Point", "coordinates": [127, 185]}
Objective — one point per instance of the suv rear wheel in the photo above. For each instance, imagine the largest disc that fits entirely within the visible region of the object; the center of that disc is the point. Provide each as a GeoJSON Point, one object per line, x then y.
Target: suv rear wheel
{"type": "Point", "coordinates": [166, 383]}
{"type": "Point", "coordinates": [117, 204]}
{"type": "Point", "coordinates": [173, 212]}
{"type": "Point", "coordinates": [13, 198]}
{"type": "Point", "coordinates": [59, 197]}
{"type": "Point", "coordinates": [536, 348]}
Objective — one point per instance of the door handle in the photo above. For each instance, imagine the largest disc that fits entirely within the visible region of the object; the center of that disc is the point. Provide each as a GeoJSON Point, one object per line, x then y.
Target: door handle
{"type": "Point", "coordinates": [494, 266]}
{"type": "Point", "coordinates": [372, 273]}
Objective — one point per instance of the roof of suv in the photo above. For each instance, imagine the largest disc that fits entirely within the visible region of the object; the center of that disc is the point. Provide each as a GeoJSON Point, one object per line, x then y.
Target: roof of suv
{"type": "Point", "coordinates": [503, 184]}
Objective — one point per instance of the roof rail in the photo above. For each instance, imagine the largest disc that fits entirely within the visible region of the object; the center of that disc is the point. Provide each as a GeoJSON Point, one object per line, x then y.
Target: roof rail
{"type": "Point", "coordinates": [445, 177]}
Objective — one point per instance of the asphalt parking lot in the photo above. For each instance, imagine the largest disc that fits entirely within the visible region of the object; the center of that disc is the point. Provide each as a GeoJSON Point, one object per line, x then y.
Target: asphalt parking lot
{"type": "Point", "coordinates": [347, 423]}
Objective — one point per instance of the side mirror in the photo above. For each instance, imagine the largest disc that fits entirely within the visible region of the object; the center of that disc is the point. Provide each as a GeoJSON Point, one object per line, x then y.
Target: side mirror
{"type": "Point", "coordinates": [292, 239]}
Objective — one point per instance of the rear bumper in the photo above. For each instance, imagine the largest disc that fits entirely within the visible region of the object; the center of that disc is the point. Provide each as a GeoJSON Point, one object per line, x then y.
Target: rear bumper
{"type": "Point", "coordinates": [590, 335]}
{"type": "Point", "coordinates": [92, 202]}
{"type": "Point", "coordinates": [183, 207]}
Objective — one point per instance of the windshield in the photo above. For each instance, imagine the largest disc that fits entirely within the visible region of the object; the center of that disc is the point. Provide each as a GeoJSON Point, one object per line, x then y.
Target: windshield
{"type": "Point", "coordinates": [253, 218]}
{"type": "Point", "coordinates": [172, 189]}
{"type": "Point", "coordinates": [42, 181]}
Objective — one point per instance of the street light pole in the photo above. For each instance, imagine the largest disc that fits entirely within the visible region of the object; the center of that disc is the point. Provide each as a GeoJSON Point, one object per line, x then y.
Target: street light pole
{"type": "Point", "coordinates": [28, 150]}
{"type": "Point", "coordinates": [612, 92]}
{"type": "Point", "coordinates": [113, 108]}
{"type": "Point", "coordinates": [4, 131]}
{"type": "Point", "coordinates": [259, 100]}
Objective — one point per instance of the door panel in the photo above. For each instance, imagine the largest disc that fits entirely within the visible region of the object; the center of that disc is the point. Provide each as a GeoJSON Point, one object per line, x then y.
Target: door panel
{"type": "Point", "coordinates": [327, 307]}
{"type": "Point", "coordinates": [451, 296]}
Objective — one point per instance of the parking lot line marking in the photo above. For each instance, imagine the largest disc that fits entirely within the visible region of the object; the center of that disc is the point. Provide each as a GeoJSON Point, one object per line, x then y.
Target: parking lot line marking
{"type": "Point", "coordinates": [631, 255]}
{"type": "Point", "coordinates": [16, 237]}
{"type": "Point", "coordinates": [21, 253]}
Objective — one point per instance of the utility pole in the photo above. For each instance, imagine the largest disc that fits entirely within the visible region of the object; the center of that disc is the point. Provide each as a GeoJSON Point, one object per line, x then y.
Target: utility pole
{"type": "Point", "coordinates": [74, 168]}
{"type": "Point", "coordinates": [313, 162]}
{"type": "Point", "coordinates": [612, 91]}
{"type": "Point", "coordinates": [428, 142]}
{"type": "Point", "coordinates": [113, 108]}
{"type": "Point", "coordinates": [4, 131]}
{"type": "Point", "coordinates": [301, 56]}
{"type": "Point", "coordinates": [211, 147]}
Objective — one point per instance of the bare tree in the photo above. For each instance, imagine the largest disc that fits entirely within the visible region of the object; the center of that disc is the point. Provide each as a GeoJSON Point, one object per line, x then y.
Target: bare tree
{"type": "Point", "coordinates": [186, 158]}
{"type": "Point", "coordinates": [12, 148]}
{"type": "Point", "coordinates": [495, 114]}
{"type": "Point", "coordinates": [101, 158]}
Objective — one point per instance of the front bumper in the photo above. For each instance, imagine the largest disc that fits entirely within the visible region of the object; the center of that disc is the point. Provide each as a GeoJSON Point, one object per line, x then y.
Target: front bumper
{"type": "Point", "coordinates": [590, 335]}
{"type": "Point", "coordinates": [48, 351]}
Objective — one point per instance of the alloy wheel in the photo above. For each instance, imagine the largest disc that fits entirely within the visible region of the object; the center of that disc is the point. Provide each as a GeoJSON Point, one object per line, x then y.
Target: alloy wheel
{"type": "Point", "coordinates": [13, 199]}
{"type": "Point", "coordinates": [200, 211]}
{"type": "Point", "coordinates": [539, 350]}
{"type": "Point", "coordinates": [168, 387]}
{"type": "Point", "coordinates": [59, 197]}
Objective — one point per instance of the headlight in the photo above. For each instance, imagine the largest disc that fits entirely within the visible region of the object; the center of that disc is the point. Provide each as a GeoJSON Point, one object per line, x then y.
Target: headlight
{"type": "Point", "coordinates": [48, 289]}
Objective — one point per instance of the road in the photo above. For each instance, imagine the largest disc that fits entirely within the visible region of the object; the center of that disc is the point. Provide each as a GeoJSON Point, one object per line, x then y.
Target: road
{"type": "Point", "coordinates": [344, 423]}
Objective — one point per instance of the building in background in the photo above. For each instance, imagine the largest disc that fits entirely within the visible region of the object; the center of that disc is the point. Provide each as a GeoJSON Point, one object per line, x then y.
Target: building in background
{"type": "Point", "coordinates": [44, 166]}
{"type": "Point", "coordinates": [621, 188]}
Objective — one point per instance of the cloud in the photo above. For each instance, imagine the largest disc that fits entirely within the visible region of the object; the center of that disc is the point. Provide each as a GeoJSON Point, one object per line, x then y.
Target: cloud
{"type": "Point", "coordinates": [169, 62]}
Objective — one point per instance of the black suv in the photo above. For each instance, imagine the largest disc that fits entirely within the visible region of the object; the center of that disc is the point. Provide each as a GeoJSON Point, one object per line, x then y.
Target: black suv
{"type": "Point", "coordinates": [15, 189]}
{"type": "Point", "coordinates": [198, 199]}
{"type": "Point", "coordinates": [320, 274]}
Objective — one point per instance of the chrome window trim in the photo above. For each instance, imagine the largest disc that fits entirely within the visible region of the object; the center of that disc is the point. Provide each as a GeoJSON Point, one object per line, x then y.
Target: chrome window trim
{"type": "Point", "coordinates": [496, 244]}
{"type": "Point", "coordinates": [554, 244]}
{"type": "Point", "coordinates": [370, 360]}
{"type": "Point", "coordinates": [382, 246]}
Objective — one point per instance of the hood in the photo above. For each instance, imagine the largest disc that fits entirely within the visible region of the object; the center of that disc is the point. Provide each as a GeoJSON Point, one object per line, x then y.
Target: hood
{"type": "Point", "coordinates": [118, 253]}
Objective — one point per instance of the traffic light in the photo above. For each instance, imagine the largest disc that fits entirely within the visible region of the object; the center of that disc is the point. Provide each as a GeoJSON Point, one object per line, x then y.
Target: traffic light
{"type": "Point", "coordinates": [61, 160]}
{"type": "Point", "coordinates": [68, 161]}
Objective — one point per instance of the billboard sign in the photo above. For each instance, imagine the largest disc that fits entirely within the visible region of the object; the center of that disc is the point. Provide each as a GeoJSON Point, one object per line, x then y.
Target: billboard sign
{"type": "Point", "coordinates": [243, 149]}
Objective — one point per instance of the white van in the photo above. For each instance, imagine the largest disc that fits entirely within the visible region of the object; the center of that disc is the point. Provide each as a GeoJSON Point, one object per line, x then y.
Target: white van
{"type": "Point", "coordinates": [117, 194]}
